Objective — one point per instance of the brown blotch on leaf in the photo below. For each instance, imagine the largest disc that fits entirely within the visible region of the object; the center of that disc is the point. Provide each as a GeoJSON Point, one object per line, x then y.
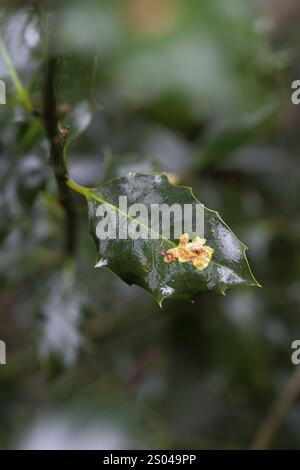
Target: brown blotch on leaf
{"type": "Point", "coordinates": [195, 251]}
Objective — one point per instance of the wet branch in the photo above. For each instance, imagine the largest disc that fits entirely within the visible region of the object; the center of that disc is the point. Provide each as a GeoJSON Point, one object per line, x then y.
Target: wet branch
{"type": "Point", "coordinates": [57, 140]}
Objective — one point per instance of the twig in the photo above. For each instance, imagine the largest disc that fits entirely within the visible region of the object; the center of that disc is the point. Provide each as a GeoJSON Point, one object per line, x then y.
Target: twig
{"type": "Point", "coordinates": [57, 139]}
{"type": "Point", "coordinates": [278, 411]}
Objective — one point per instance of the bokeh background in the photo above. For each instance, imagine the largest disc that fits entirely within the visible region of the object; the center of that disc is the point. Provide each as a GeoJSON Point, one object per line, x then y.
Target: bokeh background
{"type": "Point", "coordinates": [198, 89]}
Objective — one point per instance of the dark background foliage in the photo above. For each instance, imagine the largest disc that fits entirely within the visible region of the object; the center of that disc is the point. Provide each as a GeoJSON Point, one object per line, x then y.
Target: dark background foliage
{"type": "Point", "coordinates": [200, 90]}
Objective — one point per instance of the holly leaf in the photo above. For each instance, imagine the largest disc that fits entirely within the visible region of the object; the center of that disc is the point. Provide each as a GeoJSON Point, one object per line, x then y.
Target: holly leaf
{"type": "Point", "coordinates": [141, 261]}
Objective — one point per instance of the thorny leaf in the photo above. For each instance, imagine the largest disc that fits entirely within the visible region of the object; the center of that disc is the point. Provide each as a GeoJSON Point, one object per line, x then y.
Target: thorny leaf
{"type": "Point", "coordinates": [142, 262]}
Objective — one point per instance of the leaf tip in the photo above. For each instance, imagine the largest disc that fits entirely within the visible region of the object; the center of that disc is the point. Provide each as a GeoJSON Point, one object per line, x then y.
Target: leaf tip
{"type": "Point", "coordinates": [256, 284]}
{"type": "Point", "coordinates": [101, 263]}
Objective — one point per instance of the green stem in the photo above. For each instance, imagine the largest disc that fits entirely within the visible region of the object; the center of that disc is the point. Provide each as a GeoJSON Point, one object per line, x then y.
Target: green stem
{"type": "Point", "coordinates": [78, 188]}
{"type": "Point", "coordinates": [21, 92]}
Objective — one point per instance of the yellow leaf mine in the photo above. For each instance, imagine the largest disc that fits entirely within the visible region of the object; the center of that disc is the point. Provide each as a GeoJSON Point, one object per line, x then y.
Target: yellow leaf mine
{"type": "Point", "coordinates": [194, 251]}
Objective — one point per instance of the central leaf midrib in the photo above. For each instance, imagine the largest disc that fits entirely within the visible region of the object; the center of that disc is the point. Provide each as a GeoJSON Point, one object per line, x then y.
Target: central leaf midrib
{"type": "Point", "coordinates": [129, 217]}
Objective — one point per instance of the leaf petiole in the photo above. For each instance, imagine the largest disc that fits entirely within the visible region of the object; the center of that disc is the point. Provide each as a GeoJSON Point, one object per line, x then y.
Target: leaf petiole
{"type": "Point", "coordinates": [78, 188]}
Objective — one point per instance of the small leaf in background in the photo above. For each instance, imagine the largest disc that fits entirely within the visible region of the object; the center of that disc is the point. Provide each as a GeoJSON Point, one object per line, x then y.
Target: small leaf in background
{"type": "Point", "coordinates": [79, 120]}
{"type": "Point", "coordinates": [222, 144]}
{"type": "Point", "coordinates": [141, 261]}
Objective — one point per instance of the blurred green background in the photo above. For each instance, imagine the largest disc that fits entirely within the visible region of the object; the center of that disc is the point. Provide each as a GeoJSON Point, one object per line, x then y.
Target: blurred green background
{"type": "Point", "coordinates": [198, 89]}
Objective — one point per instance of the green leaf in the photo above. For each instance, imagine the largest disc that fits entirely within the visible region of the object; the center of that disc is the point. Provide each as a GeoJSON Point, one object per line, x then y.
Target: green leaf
{"type": "Point", "coordinates": [141, 262]}
{"type": "Point", "coordinates": [224, 143]}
